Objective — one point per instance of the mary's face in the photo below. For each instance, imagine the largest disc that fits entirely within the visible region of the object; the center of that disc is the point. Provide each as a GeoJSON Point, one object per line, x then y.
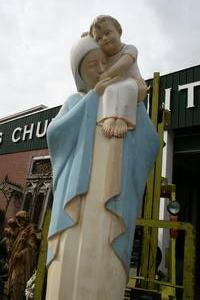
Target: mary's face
{"type": "Point", "coordinates": [92, 66]}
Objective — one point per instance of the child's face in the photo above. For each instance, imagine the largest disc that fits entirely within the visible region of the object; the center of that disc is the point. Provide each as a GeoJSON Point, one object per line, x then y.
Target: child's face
{"type": "Point", "coordinates": [108, 38]}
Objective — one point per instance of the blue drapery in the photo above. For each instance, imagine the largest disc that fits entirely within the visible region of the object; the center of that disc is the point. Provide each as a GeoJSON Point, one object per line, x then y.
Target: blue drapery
{"type": "Point", "coordinates": [70, 138]}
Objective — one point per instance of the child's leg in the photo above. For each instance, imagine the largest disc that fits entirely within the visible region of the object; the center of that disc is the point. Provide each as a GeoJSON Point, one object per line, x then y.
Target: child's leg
{"type": "Point", "coordinates": [119, 102]}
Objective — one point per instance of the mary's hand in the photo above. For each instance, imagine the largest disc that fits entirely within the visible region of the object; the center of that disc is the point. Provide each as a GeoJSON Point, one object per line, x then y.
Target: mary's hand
{"type": "Point", "coordinates": [102, 84]}
{"type": "Point", "coordinates": [142, 89]}
{"type": "Point", "coordinates": [104, 75]}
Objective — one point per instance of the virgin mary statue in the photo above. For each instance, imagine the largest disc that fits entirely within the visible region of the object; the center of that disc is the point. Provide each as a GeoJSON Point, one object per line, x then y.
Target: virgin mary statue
{"type": "Point", "coordinates": [98, 186]}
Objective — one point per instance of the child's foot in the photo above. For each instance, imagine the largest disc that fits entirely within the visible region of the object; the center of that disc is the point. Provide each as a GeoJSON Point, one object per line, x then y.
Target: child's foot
{"type": "Point", "coordinates": [121, 128]}
{"type": "Point", "coordinates": [109, 127]}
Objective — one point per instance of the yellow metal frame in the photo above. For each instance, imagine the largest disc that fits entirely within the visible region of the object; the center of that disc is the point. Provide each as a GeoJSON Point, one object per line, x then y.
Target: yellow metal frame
{"type": "Point", "coordinates": [152, 198]}
{"type": "Point", "coordinates": [41, 268]}
{"type": "Point", "coordinates": [189, 254]}
{"type": "Point", "coordinates": [151, 222]}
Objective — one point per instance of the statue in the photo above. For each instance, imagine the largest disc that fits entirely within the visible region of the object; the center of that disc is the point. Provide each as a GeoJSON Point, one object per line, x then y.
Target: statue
{"type": "Point", "coordinates": [11, 233]}
{"type": "Point", "coordinates": [119, 102]}
{"type": "Point", "coordinates": [98, 184]}
{"type": "Point", "coordinates": [23, 257]}
{"type": "Point", "coordinates": [3, 254]}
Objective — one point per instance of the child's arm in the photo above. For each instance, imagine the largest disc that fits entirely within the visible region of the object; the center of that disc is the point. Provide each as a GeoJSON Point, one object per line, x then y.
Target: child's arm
{"type": "Point", "coordinates": [120, 67]}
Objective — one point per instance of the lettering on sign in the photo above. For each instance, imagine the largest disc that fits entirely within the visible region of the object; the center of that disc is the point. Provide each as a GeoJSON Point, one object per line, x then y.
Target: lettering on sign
{"type": "Point", "coordinates": [1, 137]}
{"type": "Point", "coordinates": [27, 132]}
{"type": "Point", "coordinates": [190, 92]}
{"type": "Point", "coordinates": [189, 87]}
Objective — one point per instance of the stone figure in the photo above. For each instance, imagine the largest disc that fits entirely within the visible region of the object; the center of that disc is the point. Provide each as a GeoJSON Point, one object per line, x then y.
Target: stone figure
{"type": "Point", "coordinates": [119, 101]}
{"type": "Point", "coordinates": [23, 257]}
{"type": "Point", "coordinates": [3, 254]}
{"type": "Point", "coordinates": [11, 233]}
{"type": "Point", "coordinates": [3, 266]}
{"type": "Point", "coordinates": [98, 184]}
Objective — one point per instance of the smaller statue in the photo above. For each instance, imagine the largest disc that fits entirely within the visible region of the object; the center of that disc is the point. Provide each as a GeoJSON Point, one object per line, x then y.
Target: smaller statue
{"type": "Point", "coordinates": [11, 233]}
{"type": "Point", "coordinates": [119, 101]}
{"type": "Point", "coordinates": [3, 267]}
{"type": "Point", "coordinates": [23, 257]}
{"type": "Point", "coordinates": [3, 254]}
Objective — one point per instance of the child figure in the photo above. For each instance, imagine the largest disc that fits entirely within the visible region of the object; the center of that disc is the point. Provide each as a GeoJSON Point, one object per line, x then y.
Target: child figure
{"type": "Point", "coordinates": [119, 101]}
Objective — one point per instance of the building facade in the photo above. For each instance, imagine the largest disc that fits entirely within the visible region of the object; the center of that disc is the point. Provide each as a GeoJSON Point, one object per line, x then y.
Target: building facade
{"type": "Point", "coordinates": [25, 170]}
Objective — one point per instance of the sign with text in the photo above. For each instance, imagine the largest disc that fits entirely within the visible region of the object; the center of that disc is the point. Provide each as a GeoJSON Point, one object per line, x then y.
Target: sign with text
{"type": "Point", "coordinates": [181, 93]}
{"type": "Point", "coordinates": [26, 133]}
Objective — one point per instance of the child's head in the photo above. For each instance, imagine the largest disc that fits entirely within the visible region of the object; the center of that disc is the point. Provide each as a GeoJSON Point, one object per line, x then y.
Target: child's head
{"type": "Point", "coordinates": [107, 31]}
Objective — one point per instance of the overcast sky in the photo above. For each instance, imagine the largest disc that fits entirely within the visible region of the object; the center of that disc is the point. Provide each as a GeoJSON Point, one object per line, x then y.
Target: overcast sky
{"type": "Point", "coordinates": [36, 37]}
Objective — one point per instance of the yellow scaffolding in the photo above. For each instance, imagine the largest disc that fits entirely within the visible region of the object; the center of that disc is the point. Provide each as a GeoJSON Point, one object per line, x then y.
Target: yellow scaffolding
{"type": "Point", "coordinates": [151, 222]}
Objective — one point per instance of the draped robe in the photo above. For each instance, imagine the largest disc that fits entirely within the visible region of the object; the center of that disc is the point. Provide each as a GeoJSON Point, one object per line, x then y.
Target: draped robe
{"type": "Point", "coordinates": [98, 185]}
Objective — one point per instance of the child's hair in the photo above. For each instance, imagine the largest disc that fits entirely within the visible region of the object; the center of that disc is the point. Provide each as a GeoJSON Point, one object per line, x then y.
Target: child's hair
{"type": "Point", "coordinates": [104, 18]}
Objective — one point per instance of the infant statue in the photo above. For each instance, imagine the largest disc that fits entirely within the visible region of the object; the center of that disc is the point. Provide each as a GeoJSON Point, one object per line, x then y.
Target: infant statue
{"type": "Point", "coordinates": [118, 105]}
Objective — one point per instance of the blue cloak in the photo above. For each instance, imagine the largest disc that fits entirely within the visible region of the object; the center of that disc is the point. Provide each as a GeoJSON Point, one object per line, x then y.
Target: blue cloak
{"type": "Point", "coordinates": [70, 138]}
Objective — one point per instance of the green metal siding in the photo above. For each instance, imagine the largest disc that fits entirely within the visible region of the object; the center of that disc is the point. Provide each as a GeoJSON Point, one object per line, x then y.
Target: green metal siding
{"type": "Point", "coordinates": [187, 144]}
{"type": "Point", "coordinates": [182, 116]}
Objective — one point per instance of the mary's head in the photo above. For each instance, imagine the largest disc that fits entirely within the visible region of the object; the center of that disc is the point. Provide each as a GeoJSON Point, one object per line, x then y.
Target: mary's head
{"type": "Point", "coordinates": [87, 63]}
